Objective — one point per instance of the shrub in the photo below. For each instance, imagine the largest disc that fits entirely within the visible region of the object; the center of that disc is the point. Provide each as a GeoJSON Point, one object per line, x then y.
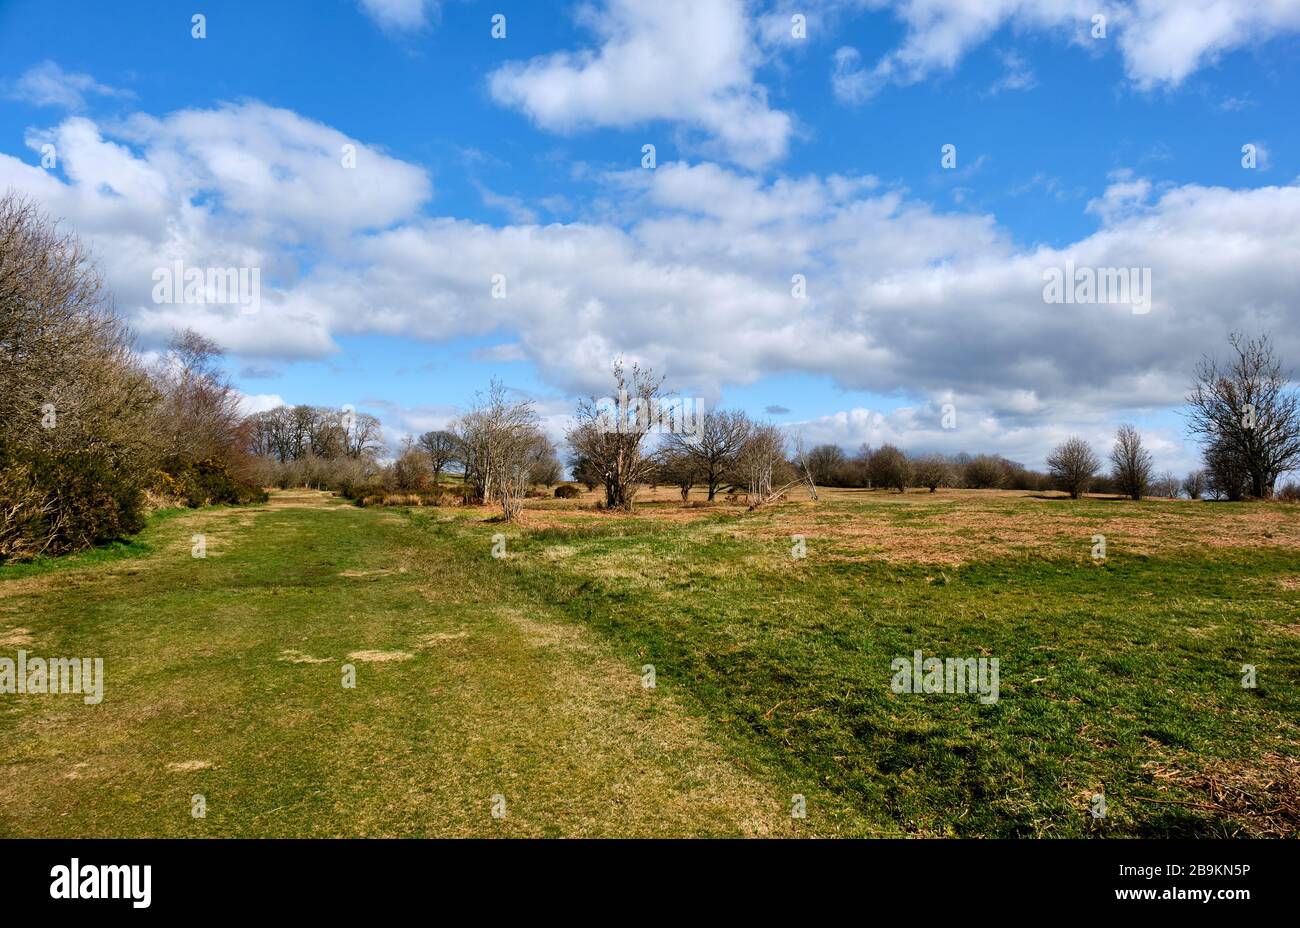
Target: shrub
{"type": "Point", "coordinates": [57, 503]}
{"type": "Point", "coordinates": [565, 491]}
{"type": "Point", "coordinates": [207, 482]}
{"type": "Point", "coordinates": [984, 472]}
{"type": "Point", "coordinates": [890, 468]}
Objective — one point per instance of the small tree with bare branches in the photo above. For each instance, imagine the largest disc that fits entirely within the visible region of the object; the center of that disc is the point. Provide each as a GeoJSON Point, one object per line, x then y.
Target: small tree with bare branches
{"type": "Point", "coordinates": [1247, 417]}
{"type": "Point", "coordinates": [610, 437]}
{"type": "Point", "coordinates": [1073, 465]}
{"type": "Point", "coordinates": [1132, 464]}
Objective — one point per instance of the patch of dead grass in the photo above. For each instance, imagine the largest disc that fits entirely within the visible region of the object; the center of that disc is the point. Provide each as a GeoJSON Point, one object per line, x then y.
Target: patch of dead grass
{"type": "Point", "coordinates": [298, 657]}
{"type": "Point", "coordinates": [1260, 796]}
{"type": "Point", "coordinates": [189, 766]}
{"type": "Point", "coordinates": [379, 657]}
{"type": "Point", "coordinates": [15, 637]}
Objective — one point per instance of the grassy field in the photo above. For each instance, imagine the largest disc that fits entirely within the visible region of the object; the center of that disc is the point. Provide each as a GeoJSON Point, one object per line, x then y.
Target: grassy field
{"type": "Point", "coordinates": [521, 676]}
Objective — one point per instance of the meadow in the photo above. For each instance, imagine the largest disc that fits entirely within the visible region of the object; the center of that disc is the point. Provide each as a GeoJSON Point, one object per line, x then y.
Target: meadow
{"type": "Point", "coordinates": [502, 671]}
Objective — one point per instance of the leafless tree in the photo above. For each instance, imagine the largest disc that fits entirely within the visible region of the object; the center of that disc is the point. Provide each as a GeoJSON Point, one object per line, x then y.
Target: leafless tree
{"type": "Point", "coordinates": [983, 472]}
{"type": "Point", "coordinates": [198, 416]}
{"type": "Point", "coordinates": [825, 463]}
{"type": "Point", "coordinates": [76, 408]}
{"type": "Point", "coordinates": [1131, 463]}
{"type": "Point", "coordinates": [1073, 465]}
{"type": "Point", "coordinates": [714, 445]}
{"type": "Point", "coordinates": [804, 468]}
{"type": "Point", "coordinates": [613, 441]}
{"type": "Point", "coordinates": [932, 471]}
{"type": "Point", "coordinates": [679, 469]}
{"type": "Point", "coordinates": [441, 447]}
{"type": "Point", "coordinates": [1246, 417]}
{"type": "Point", "coordinates": [1194, 484]}
{"type": "Point", "coordinates": [497, 437]}
{"type": "Point", "coordinates": [761, 462]}
{"type": "Point", "coordinates": [1167, 485]}
{"type": "Point", "coordinates": [890, 468]}
{"type": "Point", "coordinates": [411, 468]}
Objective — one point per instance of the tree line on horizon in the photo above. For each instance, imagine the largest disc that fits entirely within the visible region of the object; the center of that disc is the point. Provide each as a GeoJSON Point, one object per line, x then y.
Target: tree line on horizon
{"type": "Point", "coordinates": [93, 436]}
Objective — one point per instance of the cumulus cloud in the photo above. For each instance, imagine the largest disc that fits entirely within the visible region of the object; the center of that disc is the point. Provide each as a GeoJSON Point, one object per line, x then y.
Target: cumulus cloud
{"type": "Point", "coordinates": [237, 186]}
{"type": "Point", "coordinates": [47, 84]}
{"type": "Point", "coordinates": [898, 297]}
{"type": "Point", "coordinates": [252, 403]}
{"type": "Point", "coordinates": [691, 62]}
{"type": "Point", "coordinates": [1162, 41]}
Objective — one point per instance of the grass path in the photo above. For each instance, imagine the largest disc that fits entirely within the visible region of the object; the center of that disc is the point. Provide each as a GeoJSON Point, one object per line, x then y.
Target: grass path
{"type": "Point", "coordinates": [223, 679]}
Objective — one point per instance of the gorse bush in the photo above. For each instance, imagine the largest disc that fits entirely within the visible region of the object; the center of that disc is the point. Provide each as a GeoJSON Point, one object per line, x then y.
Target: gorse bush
{"type": "Point", "coordinates": [77, 408]}
{"type": "Point", "coordinates": [54, 503]}
{"type": "Point", "coordinates": [208, 482]}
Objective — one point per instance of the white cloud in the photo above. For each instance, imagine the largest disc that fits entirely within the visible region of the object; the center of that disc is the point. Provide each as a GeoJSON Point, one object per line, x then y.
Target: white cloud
{"type": "Point", "coordinates": [900, 296]}
{"type": "Point", "coordinates": [237, 186]}
{"type": "Point", "coordinates": [690, 62]}
{"type": "Point", "coordinates": [1162, 41]}
{"type": "Point", "coordinates": [250, 403]}
{"type": "Point", "coordinates": [1166, 40]}
{"type": "Point", "coordinates": [1016, 74]}
{"type": "Point", "coordinates": [47, 84]}
{"type": "Point", "coordinates": [401, 15]}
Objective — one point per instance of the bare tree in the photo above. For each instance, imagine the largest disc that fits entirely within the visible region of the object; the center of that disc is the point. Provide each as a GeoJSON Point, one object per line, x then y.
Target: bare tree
{"type": "Point", "coordinates": [761, 462]}
{"type": "Point", "coordinates": [714, 444]}
{"type": "Point", "coordinates": [497, 437]}
{"type": "Point", "coordinates": [932, 471]}
{"type": "Point", "coordinates": [543, 463]}
{"type": "Point", "coordinates": [803, 468]}
{"type": "Point", "coordinates": [983, 472]}
{"type": "Point", "coordinates": [441, 447]}
{"type": "Point", "coordinates": [410, 470]}
{"type": "Point", "coordinates": [1073, 465]}
{"type": "Point", "coordinates": [612, 440]}
{"type": "Point", "coordinates": [1131, 463]}
{"type": "Point", "coordinates": [1194, 484]}
{"type": "Point", "coordinates": [362, 433]}
{"type": "Point", "coordinates": [1246, 417]}
{"type": "Point", "coordinates": [890, 468]}
{"type": "Point", "coordinates": [825, 463]}
{"type": "Point", "coordinates": [198, 414]}
{"type": "Point", "coordinates": [1167, 485]}
{"type": "Point", "coordinates": [76, 408]}
{"type": "Point", "coordinates": [678, 469]}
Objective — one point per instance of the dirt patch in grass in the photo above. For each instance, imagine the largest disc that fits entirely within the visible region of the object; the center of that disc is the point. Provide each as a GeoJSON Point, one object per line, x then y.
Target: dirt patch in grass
{"type": "Point", "coordinates": [380, 657]}
{"type": "Point", "coordinates": [15, 637]}
{"type": "Point", "coordinates": [1260, 796]}
{"type": "Point", "coordinates": [297, 657]}
{"type": "Point", "coordinates": [189, 766]}
{"type": "Point", "coordinates": [432, 641]}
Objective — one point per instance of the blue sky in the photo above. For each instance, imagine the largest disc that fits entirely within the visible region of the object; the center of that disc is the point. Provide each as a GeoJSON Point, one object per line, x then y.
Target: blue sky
{"type": "Point", "coordinates": [775, 156]}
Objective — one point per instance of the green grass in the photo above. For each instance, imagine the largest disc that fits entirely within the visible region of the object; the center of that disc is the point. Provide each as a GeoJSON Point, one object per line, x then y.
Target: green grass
{"type": "Point", "coordinates": [521, 676]}
{"type": "Point", "coordinates": [203, 697]}
{"type": "Point", "coordinates": [1105, 669]}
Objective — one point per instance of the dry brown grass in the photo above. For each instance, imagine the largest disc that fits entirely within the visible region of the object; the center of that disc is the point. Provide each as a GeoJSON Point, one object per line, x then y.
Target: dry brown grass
{"type": "Point", "coordinates": [1260, 797]}
{"type": "Point", "coordinates": [947, 528]}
